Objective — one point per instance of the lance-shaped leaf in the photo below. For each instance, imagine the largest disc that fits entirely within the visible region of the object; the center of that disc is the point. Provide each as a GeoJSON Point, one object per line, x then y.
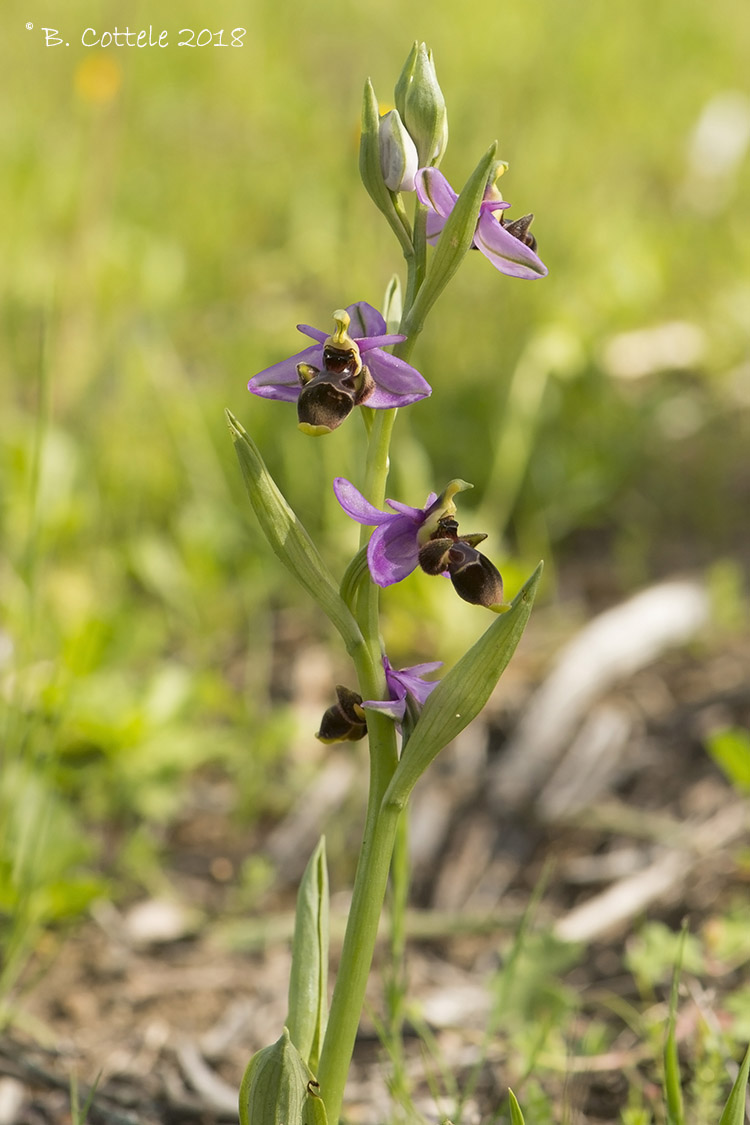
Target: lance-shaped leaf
{"type": "Point", "coordinates": [462, 693]}
{"type": "Point", "coordinates": [734, 1110]}
{"type": "Point", "coordinates": [455, 241]}
{"type": "Point", "coordinates": [308, 982]}
{"type": "Point", "coordinates": [516, 1117]}
{"type": "Point", "coordinates": [672, 1078]}
{"type": "Point", "coordinates": [278, 1088]}
{"type": "Point", "coordinates": [288, 538]}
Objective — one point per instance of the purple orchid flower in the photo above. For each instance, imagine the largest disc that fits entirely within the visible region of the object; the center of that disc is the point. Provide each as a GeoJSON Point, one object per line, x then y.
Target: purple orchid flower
{"type": "Point", "coordinates": [393, 549]}
{"type": "Point", "coordinates": [508, 246]}
{"type": "Point", "coordinates": [396, 383]}
{"type": "Point", "coordinates": [402, 683]}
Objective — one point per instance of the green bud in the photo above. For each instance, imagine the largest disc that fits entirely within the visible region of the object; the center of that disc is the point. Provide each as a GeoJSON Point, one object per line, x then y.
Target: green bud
{"type": "Point", "coordinates": [421, 104]}
{"type": "Point", "coordinates": [279, 1089]}
{"type": "Point", "coordinates": [308, 981]}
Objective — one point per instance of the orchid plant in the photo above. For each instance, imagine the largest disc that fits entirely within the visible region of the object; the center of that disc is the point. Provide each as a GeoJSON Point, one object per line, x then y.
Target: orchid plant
{"type": "Point", "coordinates": [407, 716]}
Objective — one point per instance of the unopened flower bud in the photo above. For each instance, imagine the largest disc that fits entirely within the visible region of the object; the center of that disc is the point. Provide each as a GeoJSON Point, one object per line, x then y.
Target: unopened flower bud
{"type": "Point", "coordinates": [345, 720]}
{"type": "Point", "coordinates": [398, 154]}
{"type": "Point", "coordinates": [421, 105]}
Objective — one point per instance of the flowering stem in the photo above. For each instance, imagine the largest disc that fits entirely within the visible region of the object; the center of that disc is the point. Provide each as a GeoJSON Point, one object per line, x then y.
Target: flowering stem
{"type": "Point", "coordinates": [381, 821]}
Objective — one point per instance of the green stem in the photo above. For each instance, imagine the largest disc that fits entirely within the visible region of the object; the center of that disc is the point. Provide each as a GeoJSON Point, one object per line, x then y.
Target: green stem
{"type": "Point", "coordinates": [377, 844]}
{"type": "Point", "coordinates": [356, 957]}
{"type": "Point", "coordinates": [381, 822]}
{"type": "Point", "coordinates": [396, 982]}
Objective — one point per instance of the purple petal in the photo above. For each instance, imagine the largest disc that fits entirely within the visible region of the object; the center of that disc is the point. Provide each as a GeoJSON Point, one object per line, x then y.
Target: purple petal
{"type": "Point", "coordinates": [416, 515]}
{"type": "Point", "coordinates": [434, 191]}
{"type": "Point", "coordinates": [494, 205]}
{"type": "Point", "coordinates": [506, 252]}
{"type": "Point", "coordinates": [356, 506]}
{"type": "Point", "coordinates": [316, 333]}
{"type": "Point", "coordinates": [394, 708]}
{"type": "Point", "coordinates": [280, 380]}
{"type": "Point", "coordinates": [366, 321]}
{"type": "Point", "coordinates": [411, 680]}
{"type": "Point", "coordinates": [393, 551]}
{"type": "Point", "coordinates": [367, 343]}
{"type": "Point", "coordinates": [397, 377]}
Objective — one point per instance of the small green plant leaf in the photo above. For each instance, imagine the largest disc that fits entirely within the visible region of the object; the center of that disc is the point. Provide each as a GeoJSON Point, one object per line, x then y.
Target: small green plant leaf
{"type": "Point", "coordinates": [672, 1079]}
{"type": "Point", "coordinates": [516, 1117]}
{"type": "Point", "coordinates": [278, 1088]}
{"type": "Point", "coordinates": [730, 749]}
{"type": "Point", "coordinates": [734, 1110]}
{"type": "Point", "coordinates": [463, 692]}
{"type": "Point", "coordinates": [288, 538]}
{"type": "Point", "coordinates": [308, 982]}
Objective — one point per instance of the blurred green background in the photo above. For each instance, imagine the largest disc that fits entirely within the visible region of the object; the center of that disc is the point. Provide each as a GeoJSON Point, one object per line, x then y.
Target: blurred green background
{"type": "Point", "coordinates": [169, 215]}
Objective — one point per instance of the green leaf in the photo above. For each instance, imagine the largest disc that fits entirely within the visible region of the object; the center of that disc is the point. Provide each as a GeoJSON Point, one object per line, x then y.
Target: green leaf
{"type": "Point", "coordinates": [516, 1117]}
{"type": "Point", "coordinates": [289, 539]}
{"type": "Point", "coordinates": [308, 982]}
{"type": "Point", "coordinates": [730, 749]}
{"type": "Point", "coordinates": [734, 1110]}
{"type": "Point", "coordinates": [278, 1088]}
{"type": "Point", "coordinates": [462, 693]}
{"type": "Point", "coordinates": [454, 243]}
{"type": "Point", "coordinates": [672, 1079]}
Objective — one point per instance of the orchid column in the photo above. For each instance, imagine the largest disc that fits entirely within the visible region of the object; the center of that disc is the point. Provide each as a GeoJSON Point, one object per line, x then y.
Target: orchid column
{"type": "Point", "coordinates": [406, 717]}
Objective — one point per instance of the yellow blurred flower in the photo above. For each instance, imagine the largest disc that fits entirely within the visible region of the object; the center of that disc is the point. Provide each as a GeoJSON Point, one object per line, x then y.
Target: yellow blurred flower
{"type": "Point", "coordinates": [97, 79]}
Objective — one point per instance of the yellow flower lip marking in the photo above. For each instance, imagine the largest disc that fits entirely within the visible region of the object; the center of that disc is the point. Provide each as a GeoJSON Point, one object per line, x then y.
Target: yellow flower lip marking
{"type": "Point", "coordinates": [444, 506]}
{"type": "Point", "coordinates": [341, 338]}
{"type": "Point", "coordinates": [314, 431]}
{"type": "Point", "coordinates": [492, 191]}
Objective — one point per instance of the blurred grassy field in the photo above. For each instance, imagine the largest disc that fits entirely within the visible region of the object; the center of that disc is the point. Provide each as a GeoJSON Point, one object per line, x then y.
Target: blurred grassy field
{"type": "Point", "coordinates": [169, 215]}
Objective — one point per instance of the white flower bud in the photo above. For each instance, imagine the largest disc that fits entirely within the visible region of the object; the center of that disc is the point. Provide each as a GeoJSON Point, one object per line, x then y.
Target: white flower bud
{"type": "Point", "coordinates": [398, 153]}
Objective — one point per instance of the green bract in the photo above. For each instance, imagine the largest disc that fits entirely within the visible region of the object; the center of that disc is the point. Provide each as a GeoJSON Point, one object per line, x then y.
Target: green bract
{"type": "Point", "coordinates": [371, 171]}
{"type": "Point", "coordinates": [462, 693]}
{"type": "Point", "coordinates": [308, 982]}
{"type": "Point", "coordinates": [288, 538]}
{"type": "Point", "coordinates": [456, 240]}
